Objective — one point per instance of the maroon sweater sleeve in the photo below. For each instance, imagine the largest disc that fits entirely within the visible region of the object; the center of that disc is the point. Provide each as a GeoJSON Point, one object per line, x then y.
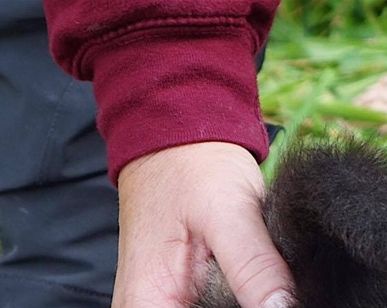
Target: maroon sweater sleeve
{"type": "Point", "coordinates": [165, 72]}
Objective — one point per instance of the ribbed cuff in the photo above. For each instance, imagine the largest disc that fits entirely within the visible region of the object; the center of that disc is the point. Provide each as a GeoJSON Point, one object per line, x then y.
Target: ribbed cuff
{"type": "Point", "coordinates": [167, 87]}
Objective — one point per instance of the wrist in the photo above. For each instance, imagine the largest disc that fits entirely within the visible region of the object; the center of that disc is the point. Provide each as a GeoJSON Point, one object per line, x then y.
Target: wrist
{"type": "Point", "coordinates": [183, 158]}
{"type": "Point", "coordinates": [176, 176]}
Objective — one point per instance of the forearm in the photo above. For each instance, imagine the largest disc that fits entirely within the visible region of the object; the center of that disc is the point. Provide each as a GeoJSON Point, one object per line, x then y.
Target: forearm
{"type": "Point", "coordinates": [166, 73]}
{"type": "Point", "coordinates": [75, 25]}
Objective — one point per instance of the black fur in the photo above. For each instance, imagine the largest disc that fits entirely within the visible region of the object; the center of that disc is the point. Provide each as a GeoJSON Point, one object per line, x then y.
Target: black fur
{"type": "Point", "coordinates": [327, 215]}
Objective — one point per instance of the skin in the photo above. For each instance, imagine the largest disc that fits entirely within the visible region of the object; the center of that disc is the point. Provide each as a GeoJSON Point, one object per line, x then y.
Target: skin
{"type": "Point", "coordinates": [180, 206]}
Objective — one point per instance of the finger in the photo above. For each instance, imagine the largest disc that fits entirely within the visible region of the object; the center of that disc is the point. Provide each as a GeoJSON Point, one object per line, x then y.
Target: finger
{"type": "Point", "coordinates": [158, 275]}
{"type": "Point", "coordinates": [257, 274]}
{"type": "Point", "coordinates": [156, 282]}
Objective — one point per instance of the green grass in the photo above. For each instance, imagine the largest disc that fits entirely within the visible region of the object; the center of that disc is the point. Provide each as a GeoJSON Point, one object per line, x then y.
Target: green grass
{"type": "Point", "coordinates": [322, 55]}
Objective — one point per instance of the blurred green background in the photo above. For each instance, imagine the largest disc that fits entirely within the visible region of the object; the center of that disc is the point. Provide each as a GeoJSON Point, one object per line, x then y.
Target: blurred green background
{"type": "Point", "coordinates": [322, 56]}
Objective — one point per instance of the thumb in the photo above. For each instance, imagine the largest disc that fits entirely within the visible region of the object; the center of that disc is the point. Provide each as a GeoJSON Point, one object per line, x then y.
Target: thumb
{"type": "Point", "coordinates": [255, 271]}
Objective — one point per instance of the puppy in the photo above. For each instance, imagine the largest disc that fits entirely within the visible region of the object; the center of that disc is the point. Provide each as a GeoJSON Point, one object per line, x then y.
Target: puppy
{"type": "Point", "coordinates": [327, 215]}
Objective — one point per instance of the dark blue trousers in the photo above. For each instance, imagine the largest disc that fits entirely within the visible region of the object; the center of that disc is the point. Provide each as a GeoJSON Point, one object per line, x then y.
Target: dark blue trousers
{"type": "Point", "coordinates": [58, 210]}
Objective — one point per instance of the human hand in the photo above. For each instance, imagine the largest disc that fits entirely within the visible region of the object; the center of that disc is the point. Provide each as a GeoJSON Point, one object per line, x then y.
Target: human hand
{"type": "Point", "coordinates": [179, 206]}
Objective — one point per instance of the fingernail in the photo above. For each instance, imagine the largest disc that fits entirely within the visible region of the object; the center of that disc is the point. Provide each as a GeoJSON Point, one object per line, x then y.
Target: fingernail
{"type": "Point", "coordinates": [279, 299]}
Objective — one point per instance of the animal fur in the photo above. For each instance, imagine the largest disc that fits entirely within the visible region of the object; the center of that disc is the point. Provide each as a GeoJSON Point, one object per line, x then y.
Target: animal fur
{"type": "Point", "coordinates": [327, 215]}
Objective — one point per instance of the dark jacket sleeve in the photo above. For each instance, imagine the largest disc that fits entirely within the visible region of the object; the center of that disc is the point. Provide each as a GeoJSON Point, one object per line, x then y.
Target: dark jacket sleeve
{"type": "Point", "coordinates": [166, 72]}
